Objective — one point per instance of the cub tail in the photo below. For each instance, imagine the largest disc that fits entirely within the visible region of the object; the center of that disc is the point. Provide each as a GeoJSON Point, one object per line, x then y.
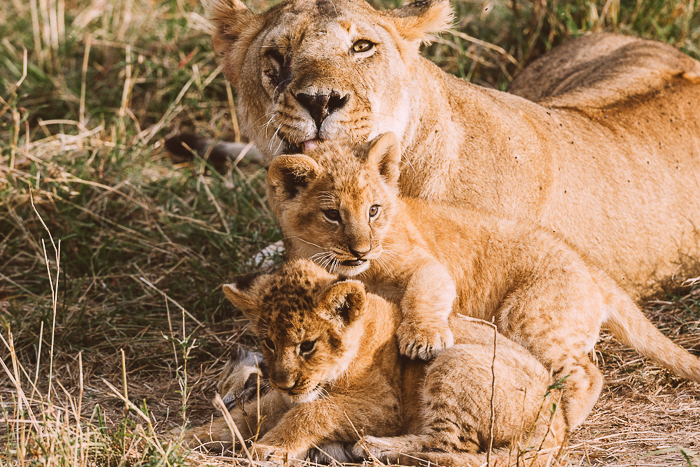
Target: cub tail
{"type": "Point", "coordinates": [499, 458]}
{"type": "Point", "coordinates": [628, 324]}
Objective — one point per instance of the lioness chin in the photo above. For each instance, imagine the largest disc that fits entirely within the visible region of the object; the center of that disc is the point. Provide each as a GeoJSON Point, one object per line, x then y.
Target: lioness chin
{"type": "Point", "coordinates": [607, 152]}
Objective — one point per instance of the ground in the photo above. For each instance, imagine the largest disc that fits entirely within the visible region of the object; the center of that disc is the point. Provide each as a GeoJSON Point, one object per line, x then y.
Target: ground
{"type": "Point", "coordinates": [112, 319]}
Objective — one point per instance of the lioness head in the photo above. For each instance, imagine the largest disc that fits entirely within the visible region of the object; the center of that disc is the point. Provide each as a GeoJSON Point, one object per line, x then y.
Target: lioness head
{"type": "Point", "coordinates": [308, 324]}
{"type": "Point", "coordinates": [310, 70]}
{"type": "Point", "coordinates": [335, 204]}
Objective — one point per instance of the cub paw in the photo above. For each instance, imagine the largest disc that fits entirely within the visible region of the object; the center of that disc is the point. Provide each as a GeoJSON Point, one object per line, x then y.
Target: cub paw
{"type": "Point", "coordinates": [420, 341]}
{"type": "Point", "coordinates": [265, 452]}
{"type": "Point", "coordinates": [374, 447]}
{"type": "Point", "coordinates": [201, 436]}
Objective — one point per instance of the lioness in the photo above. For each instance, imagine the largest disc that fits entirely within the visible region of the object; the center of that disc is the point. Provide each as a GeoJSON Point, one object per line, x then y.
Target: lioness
{"type": "Point", "coordinates": [608, 156]}
{"type": "Point", "coordinates": [334, 364]}
{"type": "Point", "coordinates": [243, 378]}
{"type": "Point", "coordinates": [342, 209]}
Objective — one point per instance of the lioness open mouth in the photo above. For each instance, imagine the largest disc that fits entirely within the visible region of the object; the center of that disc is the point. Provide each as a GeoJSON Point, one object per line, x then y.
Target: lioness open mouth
{"type": "Point", "coordinates": [354, 262]}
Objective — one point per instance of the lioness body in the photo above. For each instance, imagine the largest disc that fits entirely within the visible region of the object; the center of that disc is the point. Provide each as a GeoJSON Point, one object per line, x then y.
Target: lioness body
{"type": "Point", "coordinates": [608, 155]}
{"type": "Point", "coordinates": [333, 360]}
{"type": "Point", "coordinates": [342, 210]}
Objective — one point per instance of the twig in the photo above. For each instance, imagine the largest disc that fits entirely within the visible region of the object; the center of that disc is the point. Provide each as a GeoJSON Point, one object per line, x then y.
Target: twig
{"type": "Point", "coordinates": [493, 394]}
{"type": "Point", "coordinates": [127, 84]}
{"type": "Point", "coordinates": [488, 45]}
{"type": "Point", "coordinates": [126, 388]}
{"type": "Point", "coordinates": [54, 290]}
{"type": "Point", "coordinates": [232, 111]}
{"type": "Point", "coordinates": [219, 402]}
{"type": "Point", "coordinates": [83, 84]}
{"type": "Point", "coordinates": [493, 382]}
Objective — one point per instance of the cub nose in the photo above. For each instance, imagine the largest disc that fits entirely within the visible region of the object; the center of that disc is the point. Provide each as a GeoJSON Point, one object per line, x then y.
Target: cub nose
{"type": "Point", "coordinates": [321, 106]}
{"type": "Point", "coordinates": [285, 382]}
{"type": "Point", "coordinates": [359, 253]}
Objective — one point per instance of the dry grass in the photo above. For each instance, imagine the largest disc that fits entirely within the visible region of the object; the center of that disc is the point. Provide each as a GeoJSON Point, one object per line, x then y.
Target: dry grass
{"type": "Point", "coordinates": [109, 345]}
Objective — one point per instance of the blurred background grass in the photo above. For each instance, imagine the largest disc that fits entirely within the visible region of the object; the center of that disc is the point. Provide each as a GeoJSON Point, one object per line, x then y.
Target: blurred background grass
{"type": "Point", "coordinates": [89, 90]}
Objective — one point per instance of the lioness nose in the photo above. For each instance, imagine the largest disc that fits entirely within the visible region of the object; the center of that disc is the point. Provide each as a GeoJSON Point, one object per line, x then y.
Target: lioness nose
{"type": "Point", "coordinates": [321, 106]}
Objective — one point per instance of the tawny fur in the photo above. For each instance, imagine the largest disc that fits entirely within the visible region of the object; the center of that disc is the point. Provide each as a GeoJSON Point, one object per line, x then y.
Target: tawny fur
{"type": "Point", "coordinates": [607, 155]}
{"type": "Point", "coordinates": [334, 362]}
{"type": "Point", "coordinates": [342, 209]}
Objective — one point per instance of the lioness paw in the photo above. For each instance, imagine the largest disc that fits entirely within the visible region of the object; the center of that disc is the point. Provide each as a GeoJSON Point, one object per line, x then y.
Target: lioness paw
{"type": "Point", "coordinates": [419, 341]}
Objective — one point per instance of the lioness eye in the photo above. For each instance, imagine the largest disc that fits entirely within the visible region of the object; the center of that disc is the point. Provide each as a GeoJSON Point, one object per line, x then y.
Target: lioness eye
{"type": "Point", "coordinates": [363, 45]}
{"type": "Point", "coordinates": [267, 342]}
{"type": "Point", "coordinates": [332, 215]}
{"type": "Point", "coordinates": [373, 211]}
{"type": "Point", "coordinates": [276, 56]}
{"type": "Point", "coordinates": [307, 346]}
{"type": "Point", "coordinates": [278, 59]}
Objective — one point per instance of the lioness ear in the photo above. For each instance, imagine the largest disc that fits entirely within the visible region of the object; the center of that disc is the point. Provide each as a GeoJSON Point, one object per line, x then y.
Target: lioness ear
{"type": "Point", "coordinates": [385, 155]}
{"type": "Point", "coordinates": [345, 300]}
{"type": "Point", "coordinates": [231, 19]}
{"type": "Point", "coordinates": [422, 19]}
{"type": "Point", "coordinates": [287, 174]}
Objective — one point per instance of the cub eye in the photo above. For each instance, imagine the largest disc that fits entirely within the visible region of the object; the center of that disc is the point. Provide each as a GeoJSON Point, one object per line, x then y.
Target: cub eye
{"type": "Point", "coordinates": [307, 346]}
{"type": "Point", "coordinates": [267, 342]}
{"type": "Point", "coordinates": [332, 215]}
{"type": "Point", "coordinates": [363, 45]}
{"type": "Point", "coordinates": [373, 211]}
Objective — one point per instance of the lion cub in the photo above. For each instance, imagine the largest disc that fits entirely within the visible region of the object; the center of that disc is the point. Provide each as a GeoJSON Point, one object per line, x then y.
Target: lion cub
{"type": "Point", "coordinates": [335, 368]}
{"type": "Point", "coordinates": [343, 210]}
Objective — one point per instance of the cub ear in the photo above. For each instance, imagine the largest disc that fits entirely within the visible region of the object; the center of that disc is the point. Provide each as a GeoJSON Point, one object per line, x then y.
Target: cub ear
{"type": "Point", "coordinates": [239, 293]}
{"type": "Point", "coordinates": [422, 19]}
{"type": "Point", "coordinates": [385, 155]}
{"type": "Point", "coordinates": [288, 174]}
{"type": "Point", "coordinates": [345, 300]}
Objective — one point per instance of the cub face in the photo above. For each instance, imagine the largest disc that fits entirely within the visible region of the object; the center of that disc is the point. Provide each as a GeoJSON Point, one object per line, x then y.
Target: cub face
{"type": "Point", "coordinates": [318, 69]}
{"type": "Point", "coordinates": [307, 322]}
{"type": "Point", "coordinates": [336, 206]}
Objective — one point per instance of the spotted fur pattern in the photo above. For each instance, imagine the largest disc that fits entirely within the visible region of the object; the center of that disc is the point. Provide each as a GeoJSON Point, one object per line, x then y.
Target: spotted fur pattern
{"type": "Point", "coordinates": [432, 258]}
{"type": "Point", "coordinates": [320, 327]}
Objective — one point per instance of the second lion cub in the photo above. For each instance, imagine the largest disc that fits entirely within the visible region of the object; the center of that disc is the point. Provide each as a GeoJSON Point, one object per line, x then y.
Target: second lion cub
{"type": "Point", "coordinates": [343, 210]}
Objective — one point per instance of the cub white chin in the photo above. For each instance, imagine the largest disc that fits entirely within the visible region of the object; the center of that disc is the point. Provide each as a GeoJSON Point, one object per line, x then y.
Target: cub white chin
{"type": "Point", "coordinates": [303, 398]}
{"type": "Point", "coordinates": [351, 271]}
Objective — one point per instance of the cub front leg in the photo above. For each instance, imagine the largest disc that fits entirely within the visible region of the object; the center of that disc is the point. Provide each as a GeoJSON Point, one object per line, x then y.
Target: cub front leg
{"type": "Point", "coordinates": [272, 408]}
{"type": "Point", "coordinates": [332, 419]}
{"type": "Point", "coordinates": [305, 426]}
{"type": "Point", "coordinates": [424, 331]}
